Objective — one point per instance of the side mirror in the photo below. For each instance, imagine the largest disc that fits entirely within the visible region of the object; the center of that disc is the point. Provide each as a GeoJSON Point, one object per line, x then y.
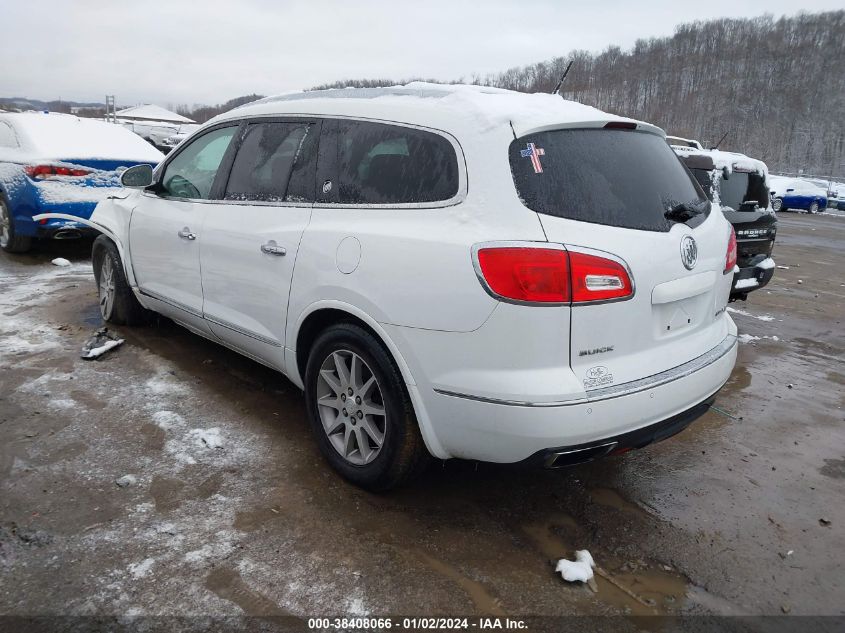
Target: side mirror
{"type": "Point", "coordinates": [137, 177]}
{"type": "Point", "coordinates": [726, 173]}
{"type": "Point", "coordinates": [788, 190]}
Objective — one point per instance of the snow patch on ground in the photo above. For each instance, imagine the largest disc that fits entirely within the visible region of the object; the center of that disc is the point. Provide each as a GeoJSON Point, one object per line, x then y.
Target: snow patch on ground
{"type": "Point", "coordinates": [764, 317]}
{"type": "Point", "coordinates": [179, 451]}
{"type": "Point", "coordinates": [165, 384]}
{"type": "Point", "coordinates": [63, 403]}
{"type": "Point", "coordinates": [206, 438]}
{"type": "Point", "coordinates": [749, 338]}
{"type": "Point", "coordinates": [168, 419]}
{"type": "Point", "coordinates": [140, 570]}
{"type": "Point", "coordinates": [211, 551]}
{"type": "Point", "coordinates": [43, 383]}
{"type": "Point", "coordinates": [356, 607]}
{"type": "Point", "coordinates": [22, 334]}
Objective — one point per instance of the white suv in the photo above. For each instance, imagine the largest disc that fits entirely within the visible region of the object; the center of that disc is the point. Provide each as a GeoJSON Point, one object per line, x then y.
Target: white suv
{"type": "Point", "coordinates": [452, 271]}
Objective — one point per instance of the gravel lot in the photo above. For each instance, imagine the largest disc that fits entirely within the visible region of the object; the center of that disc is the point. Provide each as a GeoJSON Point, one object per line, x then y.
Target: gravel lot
{"type": "Point", "coordinates": [229, 508]}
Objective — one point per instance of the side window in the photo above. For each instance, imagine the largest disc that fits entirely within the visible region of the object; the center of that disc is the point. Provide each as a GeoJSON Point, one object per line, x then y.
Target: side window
{"type": "Point", "coordinates": [391, 164]}
{"type": "Point", "coordinates": [191, 173]}
{"type": "Point", "coordinates": [7, 136]}
{"type": "Point", "coordinates": [273, 164]}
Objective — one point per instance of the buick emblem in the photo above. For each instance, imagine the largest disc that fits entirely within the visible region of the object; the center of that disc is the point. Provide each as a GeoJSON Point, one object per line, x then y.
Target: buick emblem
{"type": "Point", "coordinates": [689, 252]}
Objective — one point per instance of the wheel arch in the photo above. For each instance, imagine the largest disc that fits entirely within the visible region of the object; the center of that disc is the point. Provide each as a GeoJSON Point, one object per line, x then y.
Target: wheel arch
{"type": "Point", "coordinates": [323, 314]}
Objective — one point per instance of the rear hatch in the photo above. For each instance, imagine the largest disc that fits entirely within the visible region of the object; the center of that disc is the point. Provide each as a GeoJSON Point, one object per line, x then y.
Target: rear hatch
{"type": "Point", "coordinates": [608, 191]}
{"type": "Point", "coordinates": [744, 197]}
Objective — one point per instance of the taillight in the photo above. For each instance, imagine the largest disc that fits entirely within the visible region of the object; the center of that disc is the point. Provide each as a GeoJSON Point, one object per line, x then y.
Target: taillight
{"type": "Point", "coordinates": [527, 274]}
{"type": "Point", "coordinates": [596, 278]}
{"type": "Point", "coordinates": [730, 256]}
{"type": "Point", "coordinates": [48, 171]}
{"type": "Point", "coordinates": [535, 275]}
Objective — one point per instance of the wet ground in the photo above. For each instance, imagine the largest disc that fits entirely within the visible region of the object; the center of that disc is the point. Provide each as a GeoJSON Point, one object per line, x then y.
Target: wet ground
{"type": "Point", "coordinates": [229, 508]}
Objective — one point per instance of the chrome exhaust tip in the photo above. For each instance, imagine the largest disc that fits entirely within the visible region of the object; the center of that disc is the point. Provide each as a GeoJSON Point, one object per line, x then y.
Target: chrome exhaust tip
{"type": "Point", "coordinates": [561, 459]}
{"type": "Point", "coordinates": [67, 234]}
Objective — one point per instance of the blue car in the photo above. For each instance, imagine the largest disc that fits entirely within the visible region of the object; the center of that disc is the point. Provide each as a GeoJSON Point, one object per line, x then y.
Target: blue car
{"type": "Point", "coordinates": [797, 194]}
{"type": "Point", "coordinates": [58, 163]}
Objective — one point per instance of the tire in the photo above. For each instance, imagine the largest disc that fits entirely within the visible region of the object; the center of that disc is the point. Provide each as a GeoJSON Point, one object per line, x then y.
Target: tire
{"type": "Point", "coordinates": [814, 207]}
{"type": "Point", "coordinates": [10, 242]}
{"type": "Point", "coordinates": [777, 205]}
{"type": "Point", "coordinates": [347, 424]}
{"type": "Point", "coordinates": [117, 303]}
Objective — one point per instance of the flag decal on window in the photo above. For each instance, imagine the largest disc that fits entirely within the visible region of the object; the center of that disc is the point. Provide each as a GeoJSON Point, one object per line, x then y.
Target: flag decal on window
{"type": "Point", "coordinates": [534, 152]}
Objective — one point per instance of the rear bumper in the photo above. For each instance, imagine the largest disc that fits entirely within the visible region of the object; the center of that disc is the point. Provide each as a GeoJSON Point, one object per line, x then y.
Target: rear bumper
{"type": "Point", "coordinates": [632, 414]}
{"type": "Point", "coordinates": [751, 276]}
{"type": "Point", "coordinates": [563, 456]}
{"type": "Point", "coordinates": [25, 225]}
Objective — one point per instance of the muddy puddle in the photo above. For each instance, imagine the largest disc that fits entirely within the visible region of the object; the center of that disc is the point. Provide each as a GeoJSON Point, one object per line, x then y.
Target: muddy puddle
{"type": "Point", "coordinates": [481, 598]}
{"type": "Point", "coordinates": [633, 587]}
{"type": "Point", "coordinates": [227, 583]}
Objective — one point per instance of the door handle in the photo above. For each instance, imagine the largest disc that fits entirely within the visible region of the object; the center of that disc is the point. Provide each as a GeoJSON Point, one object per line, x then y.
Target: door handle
{"type": "Point", "coordinates": [186, 234]}
{"type": "Point", "coordinates": [271, 248]}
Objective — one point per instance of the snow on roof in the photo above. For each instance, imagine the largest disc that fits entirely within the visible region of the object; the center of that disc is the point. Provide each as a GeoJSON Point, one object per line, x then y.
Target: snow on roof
{"type": "Point", "coordinates": [721, 160]}
{"type": "Point", "coordinates": [449, 107]}
{"type": "Point", "coordinates": [152, 112]}
{"type": "Point", "coordinates": [56, 136]}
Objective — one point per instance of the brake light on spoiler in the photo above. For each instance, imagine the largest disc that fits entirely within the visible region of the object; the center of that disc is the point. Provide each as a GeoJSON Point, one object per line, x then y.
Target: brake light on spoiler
{"type": "Point", "coordinates": [544, 274]}
{"type": "Point", "coordinates": [620, 125]}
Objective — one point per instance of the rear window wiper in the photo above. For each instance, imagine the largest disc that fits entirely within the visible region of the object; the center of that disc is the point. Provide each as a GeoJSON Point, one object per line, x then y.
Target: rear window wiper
{"type": "Point", "coordinates": [683, 211]}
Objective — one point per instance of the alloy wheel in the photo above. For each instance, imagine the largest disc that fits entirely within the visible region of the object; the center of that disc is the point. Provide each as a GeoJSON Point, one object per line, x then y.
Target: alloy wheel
{"type": "Point", "coordinates": [107, 287]}
{"type": "Point", "coordinates": [814, 208]}
{"type": "Point", "coordinates": [351, 407]}
{"type": "Point", "coordinates": [777, 203]}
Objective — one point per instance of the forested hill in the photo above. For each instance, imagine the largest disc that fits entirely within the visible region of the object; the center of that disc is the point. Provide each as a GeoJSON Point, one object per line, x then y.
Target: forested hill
{"type": "Point", "coordinates": [776, 87]}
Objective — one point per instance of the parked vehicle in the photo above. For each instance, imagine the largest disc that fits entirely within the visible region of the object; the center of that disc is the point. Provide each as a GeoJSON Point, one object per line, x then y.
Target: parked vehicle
{"type": "Point", "coordinates": [453, 271]}
{"type": "Point", "coordinates": [836, 203]}
{"type": "Point", "coordinates": [739, 185]}
{"type": "Point", "coordinates": [793, 194]}
{"type": "Point", "coordinates": [61, 164]}
{"type": "Point", "coordinates": [185, 130]}
{"type": "Point", "coordinates": [154, 132]}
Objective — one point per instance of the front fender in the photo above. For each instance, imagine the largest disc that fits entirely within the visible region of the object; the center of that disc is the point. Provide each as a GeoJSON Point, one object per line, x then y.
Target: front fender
{"type": "Point", "coordinates": [111, 217]}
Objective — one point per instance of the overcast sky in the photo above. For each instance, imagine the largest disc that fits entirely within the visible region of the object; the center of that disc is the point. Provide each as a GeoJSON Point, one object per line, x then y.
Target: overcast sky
{"type": "Point", "coordinates": [208, 51]}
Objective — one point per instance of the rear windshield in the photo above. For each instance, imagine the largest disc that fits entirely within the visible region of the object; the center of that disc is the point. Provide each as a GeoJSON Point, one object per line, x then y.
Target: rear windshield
{"type": "Point", "coordinates": [705, 179]}
{"type": "Point", "coordinates": [619, 178]}
{"type": "Point", "coordinates": [741, 190]}
{"type": "Point", "coordinates": [734, 191]}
